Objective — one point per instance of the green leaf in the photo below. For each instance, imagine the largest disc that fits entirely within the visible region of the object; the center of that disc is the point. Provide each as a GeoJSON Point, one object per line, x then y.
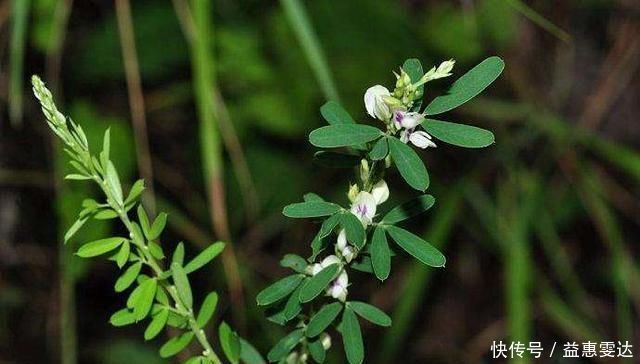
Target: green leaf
{"type": "Point", "coordinates": [409, 164]}
{"type": "Point", "coordinates": [310, 197]}
{"type": "Point", "coordinates": [352, 337]}
{"type": "Point", "coordinates": [408, 209]}
{"type": "Point", "coordinates": [135, 192]}
{"type": "Point", "coordinates": [123, 317]}
{"type": "Point", "coordinates": [317, 283]}
{"type": "Point", "coordinates": [105, 214]}
{"type": "Point", "coordinates": [158, 226]}
{"type": "Point", "coordinates": [123, 254]}
{"type": "Point", "coordinates": [175, 345]}
{"type": "Point", "coordinates": [380, 254]}
{"type": "Point", "coordinates": [363, 265]}
{"type": "Point", "coordinates": [157, 324]}
{"type": "Point", "coordinates": [380, 149]}
{"type": "Point", "coordinates": [459, 134]}
{"type": "Point", "coordinates": [128, 277]}
{"type": "Point", "coordinates": [331, 159]}
{"type": "Point", "coordinates": [310, 209]}
{"type": "Point", "coordinates": [417, 247]}
{"type": "Point", "coordinates": [144, 221]}
{"type": "Point", "coordinates": [413, 68]}
{"type": "Point", "coordinates": [249, 354]}
{"type": "Point", "coordinates": [145, 299]}
{"type": "Point", "coordinates": [318, 354]}
{"type": "Point", "coordinates": [370, 313]}
{"type": "Point", "coordinates": [208, 308]}
{"type": "Point", "coordinates": [113, 181]}
{"type": "Point", "coordinates": [328, 225]}
{"type": "Point", "coordinates": [99, 247]}
{"type": "Point", "coordinates": [77, 177]}
{"type": "Point", "coordinates": [334, 114]}
{"type": "Point", "coordinates": [178, 254]}
{"type": "Point", "coordinates": [279, 289]}
{"type": "Point", "coordinates": [204, 257]}
{"type": "Point", "coordinates": [468, 86]}
{"type": "Point", "coordinates": [230, 342]}
{"type": "Point", "coordinates": [74, 228]}
{"type": "Point", "coordinates": [156, 250]}
{"type": "Point", "coordinates": [293, 307]}
{"type": "Point", "coordinates": [182, 284]}
{"type": "Point", "coordinates": [323, 318]}
{"type": "Point", "coordinates": [295, 262]}
{"type": "Point", "coordinates": [284, 346]}
{"type": "Point", "coordinates": [353, 228]}
{"type": "Point", "coordinates": [343, 135]}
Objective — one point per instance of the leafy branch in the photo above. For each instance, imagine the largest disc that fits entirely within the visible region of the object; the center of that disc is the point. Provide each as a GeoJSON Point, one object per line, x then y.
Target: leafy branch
{"type": "Point", "coordinates": [162, 295]}
{"type": "Point", "coordinates": [361, 235]}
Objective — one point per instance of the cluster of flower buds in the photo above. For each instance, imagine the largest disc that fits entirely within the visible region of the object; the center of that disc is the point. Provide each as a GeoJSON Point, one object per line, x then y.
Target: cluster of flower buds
{"type": "Point", "coordinates": [393, 107]}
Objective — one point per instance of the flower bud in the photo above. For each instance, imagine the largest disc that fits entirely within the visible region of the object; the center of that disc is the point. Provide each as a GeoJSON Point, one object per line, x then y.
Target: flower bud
{"type": "Point", "coordinates": [353, 192]}
{"type": "Point", "coordinates": [364, 170]}
{"type": "Point", "coordinates": [325, 339]}
{"type": "Point", "coordinates": [375, 104]}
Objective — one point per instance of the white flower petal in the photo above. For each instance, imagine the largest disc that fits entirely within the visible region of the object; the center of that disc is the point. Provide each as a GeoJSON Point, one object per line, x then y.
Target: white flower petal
{"type": "Point", "coordinates": [342, 240]}
{"type": "Point", "coordinates": [411, 120]}
{"type": "Point", "coordinates": [364, 207]}
{"type": "Point", "coordinates": [375, 104]}
{"type": "Point", "coordinates": [421, 139]}
{"type": "Point", "coordinates": [343, 279]}
{"type": "Point", "coordinates": [331, 259]}
{"type": "Point", "coordinates": [380, 192]}
{"type": "Point", "coordinates": [348, 254]}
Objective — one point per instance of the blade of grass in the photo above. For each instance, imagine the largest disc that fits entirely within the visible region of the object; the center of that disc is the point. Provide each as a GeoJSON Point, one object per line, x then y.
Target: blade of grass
{"type": "Point", "coordinates": [303, 29]}
{"type": "Point", "coordinates": [610, 232]}
{"type": "Point", "coordinates": [19, 18]}
{"type": "Point", "coordinates": [136, 100]}
{"type": "Point", "coordinates": [540, 20]}
{"type": "Point", "coordinates": [211, 150]}
{"type": "Point", "coordinates": [418, 276]}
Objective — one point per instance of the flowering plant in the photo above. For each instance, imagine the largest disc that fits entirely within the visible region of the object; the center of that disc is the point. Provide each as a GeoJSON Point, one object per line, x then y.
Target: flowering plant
{"type": "Point", "coordinates": [355, 237]}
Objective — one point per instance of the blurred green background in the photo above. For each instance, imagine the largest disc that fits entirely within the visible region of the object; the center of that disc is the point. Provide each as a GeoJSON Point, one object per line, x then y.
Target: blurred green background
{"type": "Point", "coordinates": [214, 99]}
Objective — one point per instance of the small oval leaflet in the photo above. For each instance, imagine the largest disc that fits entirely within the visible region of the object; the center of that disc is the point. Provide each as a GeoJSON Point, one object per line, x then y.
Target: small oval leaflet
{"type": "Point", "coordinates": [157, 324]}
{"type": "Point", "coordinates": [282, 348]}
{"type": "Point", "coordinates": [310, 209]}
{"type": "Point", "coordinates": [459, 134]}
{"type": "Point", "coordinates": [317, 283]}
{"type": "Point", "coordinates": [182, 284]}
{"type": "Point", "coordinates": [128, 277]}
{"type": "Point", "coordinates": [208, 308]}
{"type": "Point", "coordinates": [468, 86]}
{"type": "Point", "coordinates": [370, 313]}
{"type": "Point", "coordinates": [352, 337]}
{"type": "Point", "coordinates": [333, 113]}
{"type": "Point", "coordinates": [323, 318]}
{"type": "Point", "coordinates": [279, 289]}
{"type": "Point", "coordinates": [380, 254]}
{"type": "Point", "coordinates": [230, 342]}
{"type": "Point", "coordinates": [409, 164]}
{"type": "Point", "coordinates": [99, 247]}
{"type": "Point", "coordinates": [175, 345]}
{"type": "Point", "coordinates": [417, 247]}
{"type": "Point", "coordinates": [343, 135]}
{"type": "Point", "coordinates": [408, 209]}
{"type": "Point", "coordinates": [204, 257]}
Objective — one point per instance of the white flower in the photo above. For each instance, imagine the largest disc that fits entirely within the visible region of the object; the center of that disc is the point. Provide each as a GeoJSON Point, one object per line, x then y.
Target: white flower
{"type": "Point", "coordinates": [375, 104]}
{"type": "Point", "coordinates": [380, 192]}
{"type": "Point", "coordinates": [407, 120]}
{"type": "Point", "coordinates": [314, 269]}
{"type": "Point", "coordinates": [348, 254]}
{"type": "Point", "coordinates": [342, 240]}
{"type": "Point", "coordinates": [420, 139]}
{"type": "Point", "coordinates": [331, 259]}
{"type": "Point", "coordinates": [338, 288]}
{"type": "Point", "coordinates": [364, 207]}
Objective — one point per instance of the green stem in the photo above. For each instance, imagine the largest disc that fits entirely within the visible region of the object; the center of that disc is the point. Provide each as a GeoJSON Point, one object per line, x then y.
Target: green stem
{"type": "Point", "coordinates": [19, 16]}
